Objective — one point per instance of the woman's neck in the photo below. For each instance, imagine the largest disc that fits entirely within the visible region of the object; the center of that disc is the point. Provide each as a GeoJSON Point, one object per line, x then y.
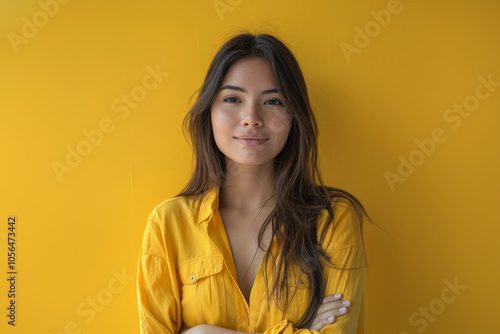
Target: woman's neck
{"type": "Point", "coordinates": [248, 187]}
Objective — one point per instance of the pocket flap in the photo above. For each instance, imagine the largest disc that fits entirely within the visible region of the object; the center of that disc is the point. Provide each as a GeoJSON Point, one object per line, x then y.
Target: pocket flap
{"type": "Point", "coordinates": [190, 271]}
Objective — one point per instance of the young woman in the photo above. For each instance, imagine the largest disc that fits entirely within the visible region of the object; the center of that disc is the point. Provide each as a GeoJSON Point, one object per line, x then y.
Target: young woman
{"type": "Point", "coordinates": [255, 242]}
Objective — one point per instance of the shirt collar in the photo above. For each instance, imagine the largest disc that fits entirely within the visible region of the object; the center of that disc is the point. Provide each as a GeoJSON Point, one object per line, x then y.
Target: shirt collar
{"type": "Point", "coordinates": [209, 204]}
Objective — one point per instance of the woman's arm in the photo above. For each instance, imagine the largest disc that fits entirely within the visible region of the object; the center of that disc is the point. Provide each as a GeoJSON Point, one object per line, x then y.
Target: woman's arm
{"type": "Point", "coordinates": [157, 296]}
{"type": "Point", "coordinates": [343, 244]}
{"type": "Point", "coordinates": [331, 308]}
{"type": "Point", "coordinates": [348, 281]}
{"type": "Point", "coordinates": [210, 329]}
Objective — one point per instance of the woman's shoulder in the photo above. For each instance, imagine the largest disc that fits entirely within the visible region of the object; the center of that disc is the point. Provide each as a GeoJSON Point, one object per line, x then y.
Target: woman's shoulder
{"type": "Point", "coordinates": [173, 222]}
{"type": "Point", "coordinates": [342, 224]}
{"type": "Point", "coordinates": [173, 204]}
{"type": "Point", "coordinates": [185, 209]}
{"type": "Point", "coordinates": [178, 207]}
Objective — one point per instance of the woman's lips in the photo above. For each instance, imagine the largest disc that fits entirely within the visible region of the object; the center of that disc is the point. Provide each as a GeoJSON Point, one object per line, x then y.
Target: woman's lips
{"type": "Point", "coordinates": [251, 141]}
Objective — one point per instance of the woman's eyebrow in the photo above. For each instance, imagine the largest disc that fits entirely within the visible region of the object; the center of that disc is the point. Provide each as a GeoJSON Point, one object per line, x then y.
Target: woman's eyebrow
{"type": "Point", "coordinates": [269, 91]}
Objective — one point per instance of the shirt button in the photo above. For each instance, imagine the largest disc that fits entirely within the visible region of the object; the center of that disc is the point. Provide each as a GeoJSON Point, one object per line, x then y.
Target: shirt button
{"type": "Point", "coordinates": [192, 278]}
{"type": "Point", "coordinates": [302, 283]}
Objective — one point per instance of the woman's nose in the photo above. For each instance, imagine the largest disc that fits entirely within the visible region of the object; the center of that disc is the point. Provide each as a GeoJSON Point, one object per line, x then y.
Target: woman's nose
{"type": "Point", "coordinates": [252, 115]}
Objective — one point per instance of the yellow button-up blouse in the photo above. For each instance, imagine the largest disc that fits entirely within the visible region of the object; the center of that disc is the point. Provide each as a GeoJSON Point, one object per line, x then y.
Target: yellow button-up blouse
{"type": "Point", "coordinates": [186, 274]}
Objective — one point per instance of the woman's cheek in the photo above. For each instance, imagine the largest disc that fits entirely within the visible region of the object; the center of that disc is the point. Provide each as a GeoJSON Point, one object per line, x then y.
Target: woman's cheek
{"type": "Point", "coordinates": [280, 125]}
{"type": "Point", "coordinates": [221, 120]}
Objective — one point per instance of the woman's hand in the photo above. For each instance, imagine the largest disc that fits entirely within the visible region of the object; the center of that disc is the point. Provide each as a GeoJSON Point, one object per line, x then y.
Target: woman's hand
{"type": "Point", "coordinates": [194, 330]}
{"type": "Point", "coordinates": [330, 309]}
{"type": "Point", "coordinates": [210, 329]}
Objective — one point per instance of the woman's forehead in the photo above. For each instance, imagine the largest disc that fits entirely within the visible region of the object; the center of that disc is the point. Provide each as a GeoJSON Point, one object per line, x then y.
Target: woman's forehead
{"type": "Point", "coordinates": [250, 73]}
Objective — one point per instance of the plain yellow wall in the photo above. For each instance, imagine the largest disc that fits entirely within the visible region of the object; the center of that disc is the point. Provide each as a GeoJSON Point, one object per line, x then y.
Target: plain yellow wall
{"type": "Point", "coordinates": [406, 93]}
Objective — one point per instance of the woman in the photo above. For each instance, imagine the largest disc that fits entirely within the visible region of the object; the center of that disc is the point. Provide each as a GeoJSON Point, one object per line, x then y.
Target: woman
{"type": "Point", "coordinates": [255, 242]}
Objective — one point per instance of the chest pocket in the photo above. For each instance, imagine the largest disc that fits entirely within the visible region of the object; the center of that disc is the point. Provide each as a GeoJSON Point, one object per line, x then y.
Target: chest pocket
{"type": "Point", "coordinates": [202, 289]}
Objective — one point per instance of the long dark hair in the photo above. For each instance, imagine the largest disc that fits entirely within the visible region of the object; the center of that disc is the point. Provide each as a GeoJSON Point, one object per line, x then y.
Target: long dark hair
{"type": "Point", "coordinates": [299, 191]}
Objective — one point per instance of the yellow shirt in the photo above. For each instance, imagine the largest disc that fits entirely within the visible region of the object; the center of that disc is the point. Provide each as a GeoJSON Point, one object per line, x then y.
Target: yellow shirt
{"type": "Point", "coordinates": [186, 274]}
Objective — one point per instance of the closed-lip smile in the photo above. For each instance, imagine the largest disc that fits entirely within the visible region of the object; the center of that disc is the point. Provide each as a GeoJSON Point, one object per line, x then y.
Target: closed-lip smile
{"type": "Point", "coordinates": [251, 137]}
{"type": "Point", "coordinates": [251, 140]}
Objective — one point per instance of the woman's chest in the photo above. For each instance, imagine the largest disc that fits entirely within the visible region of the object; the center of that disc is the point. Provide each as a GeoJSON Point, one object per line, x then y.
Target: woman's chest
{"type": "Point", "coordinates": [242, 232]}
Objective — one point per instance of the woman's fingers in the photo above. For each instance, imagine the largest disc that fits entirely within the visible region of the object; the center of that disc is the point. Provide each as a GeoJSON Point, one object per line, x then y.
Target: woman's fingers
{"type": "Point", "coordinates": [333, 305]}
{"type": "Point", "coordinates": [319, 324]}
{"type": "Point", "coordinates": [330, 309]}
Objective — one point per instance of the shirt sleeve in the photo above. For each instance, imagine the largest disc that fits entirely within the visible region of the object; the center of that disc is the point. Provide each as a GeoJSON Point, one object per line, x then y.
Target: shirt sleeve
{"type": "Point", "coordinates": [343, 243]}
{"type": "Point", "coordinates": [157, 294]}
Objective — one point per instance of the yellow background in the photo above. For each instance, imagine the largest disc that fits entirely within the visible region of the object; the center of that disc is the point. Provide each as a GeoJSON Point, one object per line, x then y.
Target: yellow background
{"type": "Point", "coordinates": [75, 236]}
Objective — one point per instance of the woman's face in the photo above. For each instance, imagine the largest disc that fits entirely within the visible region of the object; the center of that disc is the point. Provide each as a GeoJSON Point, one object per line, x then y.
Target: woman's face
{"type": "Point", "coordinates": [249, 119]}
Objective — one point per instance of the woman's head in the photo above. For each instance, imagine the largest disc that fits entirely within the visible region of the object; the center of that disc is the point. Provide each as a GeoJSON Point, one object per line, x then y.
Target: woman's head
{"type": "Point", "coordinates": [297, 158]}
{"type": "Point", "coordinates": [250, 121]}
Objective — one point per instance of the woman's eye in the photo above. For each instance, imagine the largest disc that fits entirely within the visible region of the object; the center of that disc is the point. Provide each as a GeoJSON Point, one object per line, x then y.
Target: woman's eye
{"type": "Point", "coordinates": [231, 99]}
{"type": "Point", "coordinates": [275, 102]}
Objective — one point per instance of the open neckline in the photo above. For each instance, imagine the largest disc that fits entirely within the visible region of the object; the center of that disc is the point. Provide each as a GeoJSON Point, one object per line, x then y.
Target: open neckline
{"type": "Point", "coordinates": [258, 277]}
